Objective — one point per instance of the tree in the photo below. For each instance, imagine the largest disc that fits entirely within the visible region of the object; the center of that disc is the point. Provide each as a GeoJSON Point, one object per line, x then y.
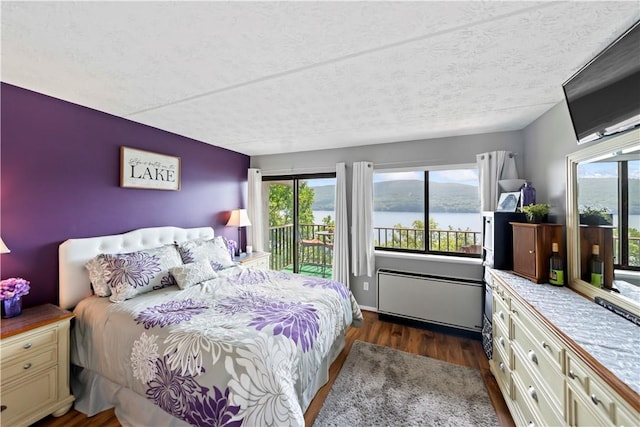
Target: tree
{"type": "Point", "coordinates": [281, 204]}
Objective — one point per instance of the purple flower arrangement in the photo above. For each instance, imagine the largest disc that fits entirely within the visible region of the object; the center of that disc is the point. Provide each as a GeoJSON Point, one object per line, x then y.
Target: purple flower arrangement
{"type": "Point", "coordinates": [233, 247]}
{"type": "Point", "coordinates": [13, 287]}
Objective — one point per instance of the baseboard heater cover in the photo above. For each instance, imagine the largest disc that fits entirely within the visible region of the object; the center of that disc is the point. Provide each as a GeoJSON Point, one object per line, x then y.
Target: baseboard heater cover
{"type": "Point", "coordinates": [440, 300]}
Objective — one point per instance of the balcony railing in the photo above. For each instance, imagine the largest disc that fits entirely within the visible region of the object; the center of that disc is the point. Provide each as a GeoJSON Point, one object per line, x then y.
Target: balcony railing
{"type": "Point", "coordinates": [316, 248]}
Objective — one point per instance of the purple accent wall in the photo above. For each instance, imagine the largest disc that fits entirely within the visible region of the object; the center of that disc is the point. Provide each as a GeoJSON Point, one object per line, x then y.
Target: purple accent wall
{"type": "Point", "coordinates": [59, 175]}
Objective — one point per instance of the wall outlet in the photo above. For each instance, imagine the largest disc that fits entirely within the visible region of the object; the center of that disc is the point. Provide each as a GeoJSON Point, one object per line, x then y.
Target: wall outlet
{"type": "Point", "coordinates": [365, 285]}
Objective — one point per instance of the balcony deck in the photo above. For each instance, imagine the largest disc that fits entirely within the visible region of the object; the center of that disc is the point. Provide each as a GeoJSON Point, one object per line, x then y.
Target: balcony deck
{"type": "Point", "coordinates": [315, 245]}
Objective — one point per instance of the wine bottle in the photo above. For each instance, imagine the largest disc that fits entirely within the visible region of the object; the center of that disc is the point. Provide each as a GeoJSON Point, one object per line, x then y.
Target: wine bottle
{"type": "Point", "coordinates": [597, 267]}
{"type": "Point", "coordinates": [556, 268]}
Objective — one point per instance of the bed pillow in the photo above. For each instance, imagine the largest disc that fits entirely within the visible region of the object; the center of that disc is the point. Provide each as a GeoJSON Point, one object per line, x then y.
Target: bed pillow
{"type": "Point", "coordinates": [139, 272]}
{"type": "Point", "coordinates": [215, 251]}
{"type": "Point", "coordinates": [97, 277]}
{"type": "Point", "coordinates": [188, 275]}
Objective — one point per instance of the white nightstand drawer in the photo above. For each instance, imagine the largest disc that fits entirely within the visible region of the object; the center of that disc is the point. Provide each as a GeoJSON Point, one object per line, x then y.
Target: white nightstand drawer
{"type": "Point", "coordinates": [27, 343]}
{"type": "Point", "coordinates": [29, 363]}
{"type": "Point", "coordinates": [27, 396]}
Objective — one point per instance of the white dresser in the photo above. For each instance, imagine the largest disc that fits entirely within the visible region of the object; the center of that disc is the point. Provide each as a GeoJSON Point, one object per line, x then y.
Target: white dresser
{"type": "Point", "coordinates": [34, 365]}
{"type": "Point", "coordinates": [560, 359]}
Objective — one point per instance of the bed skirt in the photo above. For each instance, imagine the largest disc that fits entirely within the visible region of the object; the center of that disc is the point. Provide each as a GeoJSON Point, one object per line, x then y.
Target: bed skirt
{"type": "Point", "coordinates": [95, 393]}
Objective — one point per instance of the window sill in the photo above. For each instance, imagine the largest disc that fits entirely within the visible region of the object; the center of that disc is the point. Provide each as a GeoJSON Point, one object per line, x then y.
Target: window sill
{"type": "Point", "coordinates": [429, 257]}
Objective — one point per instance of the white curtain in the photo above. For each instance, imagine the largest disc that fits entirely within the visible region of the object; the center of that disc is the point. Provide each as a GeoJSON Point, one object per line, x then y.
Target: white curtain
{"type": "Point", "coordinates": [363, 258]}
{"type": "Point", "coordinates": [341, 233]}
{"type": "Point", "coordinates": [492, 167]}
{"type": "Point", "coordinates": [254, 210]}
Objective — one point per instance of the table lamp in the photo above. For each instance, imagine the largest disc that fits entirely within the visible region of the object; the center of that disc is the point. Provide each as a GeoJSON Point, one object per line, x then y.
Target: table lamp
{"type": "Point", "coordinates": [239, 218]}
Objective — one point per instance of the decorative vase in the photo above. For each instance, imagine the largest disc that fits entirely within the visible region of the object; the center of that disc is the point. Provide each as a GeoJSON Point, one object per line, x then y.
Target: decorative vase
{"type": "Point", "coordinates": [11, 307]}
{"type": "Point", "coordinates": [527, 194]}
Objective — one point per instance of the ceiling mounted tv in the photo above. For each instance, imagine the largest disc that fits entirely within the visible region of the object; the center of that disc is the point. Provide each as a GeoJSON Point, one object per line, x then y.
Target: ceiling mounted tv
{"type": "Point", "coordinates": [604, 95]}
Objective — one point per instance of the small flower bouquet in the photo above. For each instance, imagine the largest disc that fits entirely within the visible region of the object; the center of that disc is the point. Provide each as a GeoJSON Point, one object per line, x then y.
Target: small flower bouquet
{"type": "Point", "coordinates": [14, 287]}
{"type": "Point", "coordinates": [233, 247]}
{"type": "Point", "coordinates": [11, 293]}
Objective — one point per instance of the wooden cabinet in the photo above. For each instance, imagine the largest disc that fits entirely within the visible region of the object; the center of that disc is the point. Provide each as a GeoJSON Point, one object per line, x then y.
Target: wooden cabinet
{"type": "Point", "coordinates": [34, 365]}
{"type": "Point", "coordinates": [532, 249]}
{"type": "Point", "coordinates": [255, 260]}
{"type": "Point", "coordinates": [603, 237]}
{"type": "Point", "coordinates": [544, 379]}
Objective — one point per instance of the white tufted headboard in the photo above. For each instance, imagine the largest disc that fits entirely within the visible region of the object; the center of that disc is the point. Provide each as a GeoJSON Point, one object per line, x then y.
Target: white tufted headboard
{"type": "Point", "coordinates": [74, 253]}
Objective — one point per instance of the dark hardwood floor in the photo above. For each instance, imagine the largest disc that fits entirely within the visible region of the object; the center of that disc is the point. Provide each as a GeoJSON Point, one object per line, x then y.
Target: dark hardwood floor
{"type": "Point", "coordinates": [450, 348]}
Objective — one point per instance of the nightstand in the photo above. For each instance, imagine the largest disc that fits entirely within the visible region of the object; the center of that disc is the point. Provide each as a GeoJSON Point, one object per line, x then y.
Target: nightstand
{"type": "Point", "coordinates": [34, 365]}
{"type": "Point", "coordinates": [255, 260]}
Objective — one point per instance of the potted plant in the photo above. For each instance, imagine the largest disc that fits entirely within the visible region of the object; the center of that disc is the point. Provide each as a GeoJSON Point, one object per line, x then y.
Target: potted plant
{"type": "Point", "coordinates": [595, 216]}
{"type": "Point", "coordinates": [536, 213]}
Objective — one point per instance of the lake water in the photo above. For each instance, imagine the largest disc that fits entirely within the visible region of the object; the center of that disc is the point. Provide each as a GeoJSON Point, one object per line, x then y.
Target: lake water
{"type": "Point", "coordinates": [389, 219]}
{"type": "Point", "coordinates": [456, 220]}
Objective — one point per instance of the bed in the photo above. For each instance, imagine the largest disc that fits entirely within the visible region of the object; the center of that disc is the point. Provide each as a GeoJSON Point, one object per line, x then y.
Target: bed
{"type": "Point", "coordinates": [243, 347]}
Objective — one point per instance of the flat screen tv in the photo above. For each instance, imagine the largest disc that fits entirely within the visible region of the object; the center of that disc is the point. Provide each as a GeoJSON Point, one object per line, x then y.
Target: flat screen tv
{"type": "Point", "coordinates": [604, 95]}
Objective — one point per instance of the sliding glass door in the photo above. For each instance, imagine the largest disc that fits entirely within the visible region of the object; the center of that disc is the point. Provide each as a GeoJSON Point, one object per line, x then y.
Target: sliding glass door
{"type": "Point", "coordinates": [301, 221]}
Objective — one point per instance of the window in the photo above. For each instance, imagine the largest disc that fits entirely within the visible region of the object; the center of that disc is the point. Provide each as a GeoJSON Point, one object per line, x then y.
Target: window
{"type": "Point", "coordinates": [612, 187]}
{"type": "Point", "coordinates": [446, 200]}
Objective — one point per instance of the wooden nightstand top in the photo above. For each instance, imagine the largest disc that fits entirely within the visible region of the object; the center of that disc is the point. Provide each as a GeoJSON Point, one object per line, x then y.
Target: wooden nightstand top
{"type": "Point", "coordinates": [32, 318]}
{"type": "Point", "coordinates": [251, 257]}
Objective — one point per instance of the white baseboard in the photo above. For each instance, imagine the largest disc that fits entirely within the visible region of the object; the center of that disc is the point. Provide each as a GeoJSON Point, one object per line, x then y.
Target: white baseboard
{"type": "Point", "coordinates": [367, 308]}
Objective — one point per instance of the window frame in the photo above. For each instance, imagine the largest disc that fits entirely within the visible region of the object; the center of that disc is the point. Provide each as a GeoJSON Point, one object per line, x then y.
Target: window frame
{"type": "Point", "coordinates": [425, 218]}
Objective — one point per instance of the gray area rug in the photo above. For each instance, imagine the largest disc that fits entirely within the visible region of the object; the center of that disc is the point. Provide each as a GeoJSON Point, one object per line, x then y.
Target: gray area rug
{"type": "Point", "coordinates": [381, 386]}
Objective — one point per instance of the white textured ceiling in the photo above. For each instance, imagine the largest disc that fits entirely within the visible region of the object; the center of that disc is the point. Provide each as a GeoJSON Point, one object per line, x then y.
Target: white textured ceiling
{"type": "Point", "coordinates": [273, 77]}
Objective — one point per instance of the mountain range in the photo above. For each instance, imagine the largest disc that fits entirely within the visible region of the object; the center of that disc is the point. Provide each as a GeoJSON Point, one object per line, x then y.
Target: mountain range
{"type": "Point", "coordinates": [408, 196]}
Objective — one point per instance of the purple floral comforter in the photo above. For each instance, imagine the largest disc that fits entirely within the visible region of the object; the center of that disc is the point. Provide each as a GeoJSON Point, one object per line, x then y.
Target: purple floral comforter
{"type": "Point", "coordinates": [239, 350]}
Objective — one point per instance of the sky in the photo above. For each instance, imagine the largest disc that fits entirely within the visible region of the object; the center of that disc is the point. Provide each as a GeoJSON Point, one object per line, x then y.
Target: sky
{"type": "Point", "coordinates": [607, 170]}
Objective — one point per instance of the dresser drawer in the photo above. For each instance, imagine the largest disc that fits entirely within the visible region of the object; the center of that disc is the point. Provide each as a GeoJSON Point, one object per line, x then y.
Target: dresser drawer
{"type": "Point", "coordinates": [501, 312]}
{"type": "Point", "coordinates": [501, 340]}
{"type": "Point", "coordinates": [524, 416]}
{"type": "Point", "coordinates": [540, 341]}
{"type": "Point", "coordinates": [588, 386]}
{"type": "Point", "coordinates": [28, 343]}
{"type": "Point", "coordinates": [28, 395]}
{"type": "Point", "coordinates": [262, 263]}
{"type": "Point", "coordinates": [502, 371]}
{"type": "Point", "coordinates": [547, 407]}
{"type": "Point", "coordinates": [542, 363]}
{"type": "Point", "coordinates": [28, 363]}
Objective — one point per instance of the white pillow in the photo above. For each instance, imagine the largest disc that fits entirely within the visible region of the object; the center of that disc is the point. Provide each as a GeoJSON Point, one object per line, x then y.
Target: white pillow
{"type": "Point", "coordinates": [97, 277]}
{"type": "Point", "coordinates": [191, 274]}
{"type": "Point", "coordinates": [215, 251]}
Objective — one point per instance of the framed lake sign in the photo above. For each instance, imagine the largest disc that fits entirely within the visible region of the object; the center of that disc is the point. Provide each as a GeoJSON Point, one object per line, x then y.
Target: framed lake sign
{"type": "Point", "coordinates": [144, 169]}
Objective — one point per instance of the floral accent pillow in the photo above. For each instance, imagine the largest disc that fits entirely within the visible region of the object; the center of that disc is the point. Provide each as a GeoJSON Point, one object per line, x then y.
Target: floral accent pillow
{"type": "Point", "coordinates": [215, 251]}
{"type": "Point", "coordinates": [97, 277]}
{"type": "Point", "coordinates": [139, 272]}
{"type": "Point", "coordinates": [191, 274]}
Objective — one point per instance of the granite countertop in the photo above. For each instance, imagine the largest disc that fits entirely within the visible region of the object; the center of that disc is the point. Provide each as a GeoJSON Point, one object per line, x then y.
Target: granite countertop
{"type": "Point", "coordinates": [609, 338]}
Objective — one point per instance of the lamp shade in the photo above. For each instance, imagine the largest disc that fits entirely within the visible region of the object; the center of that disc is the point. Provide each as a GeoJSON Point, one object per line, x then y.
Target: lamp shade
{"type": "Point", "coordinates": [3, 248]}
{"type": "Point", "coordinates": [239, 218]}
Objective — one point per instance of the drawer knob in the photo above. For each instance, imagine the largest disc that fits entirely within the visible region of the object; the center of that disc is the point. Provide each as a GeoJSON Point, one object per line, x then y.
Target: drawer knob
{"type": "Point", "coordinates": [533, 357]}
{"type": "Point", "coordinates": [533, 394]}
{"type": "Point", "coordinates": [501, 341]}
{"type": "Point", "coordinates": [572, 375]}
{"type": "Point", "coordinates": [532, 252]}
{"type": "Point", "coordinates": [27, 346]}
{"type": "Point", "coordinates": [26, 365]}
{"type": "Point", "coordinates": [515, 312]}
{"type": "Point", "coordinates": [502, 315]}
{"type": "Point", "coordinates": [544, 344]}
{"type": "Point", "coordinates": [3, 407]}
{"type": "Point", "coordinates": [594, 399]}
{"type": "Point", "coordinates": [531, 424]}
{"type": "Point", "coordinates": [501, 366]}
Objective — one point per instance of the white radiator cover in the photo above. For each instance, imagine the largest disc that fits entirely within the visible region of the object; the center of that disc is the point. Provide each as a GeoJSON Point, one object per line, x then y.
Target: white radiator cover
{"type": "Point", "coordinates": [443, 301]}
